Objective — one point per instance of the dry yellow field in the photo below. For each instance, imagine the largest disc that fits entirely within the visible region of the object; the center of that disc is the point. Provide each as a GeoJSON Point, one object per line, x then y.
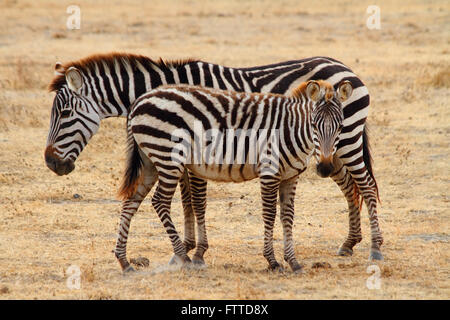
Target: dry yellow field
{"type": "Point", "coordinates": [45, 227]}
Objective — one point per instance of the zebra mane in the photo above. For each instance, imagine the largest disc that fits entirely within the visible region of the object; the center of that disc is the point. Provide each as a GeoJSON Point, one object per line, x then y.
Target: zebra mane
{"type": "Point", "coordinates": [300, 90]}
{"type": "Point", "coordinates": [90, 62]}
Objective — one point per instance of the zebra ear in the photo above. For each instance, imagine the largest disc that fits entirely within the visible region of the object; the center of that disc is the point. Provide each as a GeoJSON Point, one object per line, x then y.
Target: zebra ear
{"type": "Point", "coordinates": [59, 71]}
{"type": "Point", "coordinates": [313, 90]}
{"type": "Point", "coordinates": [345, 90]}
{"type": "Point", "coordinates": [74, 79]}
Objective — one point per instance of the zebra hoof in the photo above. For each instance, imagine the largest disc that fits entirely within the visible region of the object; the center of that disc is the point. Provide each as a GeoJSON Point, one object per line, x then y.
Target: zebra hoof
{"type": "Point", "coordinates": [375, 254]}
{"type": "Point", "coordinates": [199, 261]}
{"type": "Point", "coordinates": [128, 270]}
{"type": "Point", "coordinates": [276, 268]}
{"type": "Point", "coordinates": [298, 269]}
{"type": "Point", "coordinates": [345, 252]}
{"type": "Point", "coordinates": [176, 259]}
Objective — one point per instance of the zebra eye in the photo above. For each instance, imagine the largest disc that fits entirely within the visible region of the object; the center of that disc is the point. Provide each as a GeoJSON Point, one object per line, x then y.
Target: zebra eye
{"type": "Point", "coordinates": [65, 113]}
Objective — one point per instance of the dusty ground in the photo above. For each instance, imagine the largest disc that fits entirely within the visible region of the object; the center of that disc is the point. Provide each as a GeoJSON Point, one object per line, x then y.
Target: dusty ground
{"type": "Point", "coordinates": [44, 228]}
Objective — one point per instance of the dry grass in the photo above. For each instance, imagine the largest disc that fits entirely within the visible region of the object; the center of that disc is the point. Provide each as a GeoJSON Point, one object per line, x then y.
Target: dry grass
{"type": "Point", "coordinates": [44, 229]}
{"type": "Point", "coordinates": [440, 78]}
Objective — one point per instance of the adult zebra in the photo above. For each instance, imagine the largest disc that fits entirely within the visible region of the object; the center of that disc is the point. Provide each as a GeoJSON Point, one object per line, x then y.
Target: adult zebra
{"type": "Point", "coordinates": [102, 86]}
{"type": "Point", "coordinates": [276, 136]}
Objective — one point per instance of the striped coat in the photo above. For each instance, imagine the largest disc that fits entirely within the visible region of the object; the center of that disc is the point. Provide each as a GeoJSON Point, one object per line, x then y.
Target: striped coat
{"type": "Point", "coordinates": [277, 136]}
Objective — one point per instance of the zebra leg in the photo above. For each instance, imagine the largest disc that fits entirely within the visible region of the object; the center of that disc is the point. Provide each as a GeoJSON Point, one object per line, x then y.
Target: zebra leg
{"type": "Point", "coordinates": [189, 220]}
{"type": "Point", "coordinates": [348, 187]}
{"type": "Point", "coordinates": [161, 201]}
{"type": "Point", "coordinates": [359, 167]}
{"type": "Point", "coordinates": [368, 189]}
{"type": "Point", "coordinates": [287, 196]}
{"type": "Point", "coordinates": [269, 192]}
{"type": "Point", "coordinates": [129, 208]}
{"type": "Point", "coordinates": [198, 187]}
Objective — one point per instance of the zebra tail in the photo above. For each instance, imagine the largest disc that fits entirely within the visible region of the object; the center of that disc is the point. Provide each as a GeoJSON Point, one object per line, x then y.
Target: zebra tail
{"type": "Point", "coordinates": [357, 197]}
{"type": "Point", "coordinates": [368, 158]}
{"type": "Point", "coordinates": [132, 177]}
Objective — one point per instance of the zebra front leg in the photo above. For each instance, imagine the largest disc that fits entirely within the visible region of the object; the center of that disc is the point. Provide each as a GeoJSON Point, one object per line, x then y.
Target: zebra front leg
{"type": "Point", "coordinates": [129, 208]}
{"type": "Point", "coordinates": [287, 196]}
{"type": "Point", "coordinates": [269, 192]}
{"type": "Point", "coordinates": [350, 190]}
{"type": "Point", "coordinates": [198, 187]}
{"type": "Point", "coordinates": [161, 201]}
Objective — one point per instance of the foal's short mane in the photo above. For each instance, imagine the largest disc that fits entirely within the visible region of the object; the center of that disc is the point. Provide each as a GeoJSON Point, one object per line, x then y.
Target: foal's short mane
{"type": "Point", "coordinates": [110, 59]}
{"type": "Point", "coordinates": [301, 89]}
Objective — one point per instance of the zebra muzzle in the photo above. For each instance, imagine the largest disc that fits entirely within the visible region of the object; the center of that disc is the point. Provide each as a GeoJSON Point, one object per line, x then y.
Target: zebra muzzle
{"type": "Point", "coordinates": [58, 166]}
{"type": "Point", "coordinates": [325, 166]}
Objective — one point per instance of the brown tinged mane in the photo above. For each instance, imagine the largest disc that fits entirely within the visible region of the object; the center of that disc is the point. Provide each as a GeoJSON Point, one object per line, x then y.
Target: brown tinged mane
{"type": "Point", "coordinates": [300, 90]}
{"type": "Point", "coordinates": [110, 59]}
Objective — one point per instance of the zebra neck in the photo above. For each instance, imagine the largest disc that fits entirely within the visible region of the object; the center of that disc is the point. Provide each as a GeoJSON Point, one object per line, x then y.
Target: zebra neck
{"type": "Point", "coordinates": [298, 122]}
{"type": "Point", "coordinates": [117, 87]}
{"type": "Point", "coordinates": [114, 87]}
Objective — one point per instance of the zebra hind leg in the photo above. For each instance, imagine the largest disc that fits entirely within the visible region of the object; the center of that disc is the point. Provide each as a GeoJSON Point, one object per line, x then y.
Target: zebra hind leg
{"type": "Point", "coordinates": [287, 196]}
{"type": "Point", "coordinates": [189, 219]}
{"type": "Point", "coordinates": [161, 201]}
{"type": "Point", "coordinates": [350, 190]}
{"type": "Point", "coordinates": [369, 191]}
{"type": "Point", "coordinates": [129, 208]}
{"type": "Point", "coordinates": [198, 187]}
{"type": "Point", "coordinates": [370, 195]}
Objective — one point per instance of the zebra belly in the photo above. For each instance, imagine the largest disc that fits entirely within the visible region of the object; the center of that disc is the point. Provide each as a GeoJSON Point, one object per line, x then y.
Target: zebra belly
{"type": "Point", "coordinates": [224, 172]}
{"type": "Point", "coordinates": [292, 172]}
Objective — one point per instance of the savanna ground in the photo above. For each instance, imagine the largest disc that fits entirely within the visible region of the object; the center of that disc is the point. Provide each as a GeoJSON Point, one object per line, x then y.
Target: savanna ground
{"type": "Point", "coordinates": [49, 223]}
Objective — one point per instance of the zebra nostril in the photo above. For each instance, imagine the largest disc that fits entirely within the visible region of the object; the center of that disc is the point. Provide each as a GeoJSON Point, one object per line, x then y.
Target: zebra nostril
{"type": "Point", "coordinates": [324, 170]}
{"type": "Point", "coordinates": [51, 163]}
{"type": "Point", "coordinates": [69, 166]}
{"type": "Point", "coordinates": [51, 160]}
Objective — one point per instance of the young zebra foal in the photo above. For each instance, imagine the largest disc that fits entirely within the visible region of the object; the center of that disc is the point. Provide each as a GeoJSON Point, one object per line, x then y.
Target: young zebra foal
{"type": "Point", "coordinates": [230, 136]}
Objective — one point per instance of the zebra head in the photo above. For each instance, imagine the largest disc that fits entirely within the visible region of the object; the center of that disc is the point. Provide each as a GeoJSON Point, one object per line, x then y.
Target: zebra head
{"type": "Point", "coordinates": [74, 120]}
{"type": "Point", "coordinates": [327, 121]}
